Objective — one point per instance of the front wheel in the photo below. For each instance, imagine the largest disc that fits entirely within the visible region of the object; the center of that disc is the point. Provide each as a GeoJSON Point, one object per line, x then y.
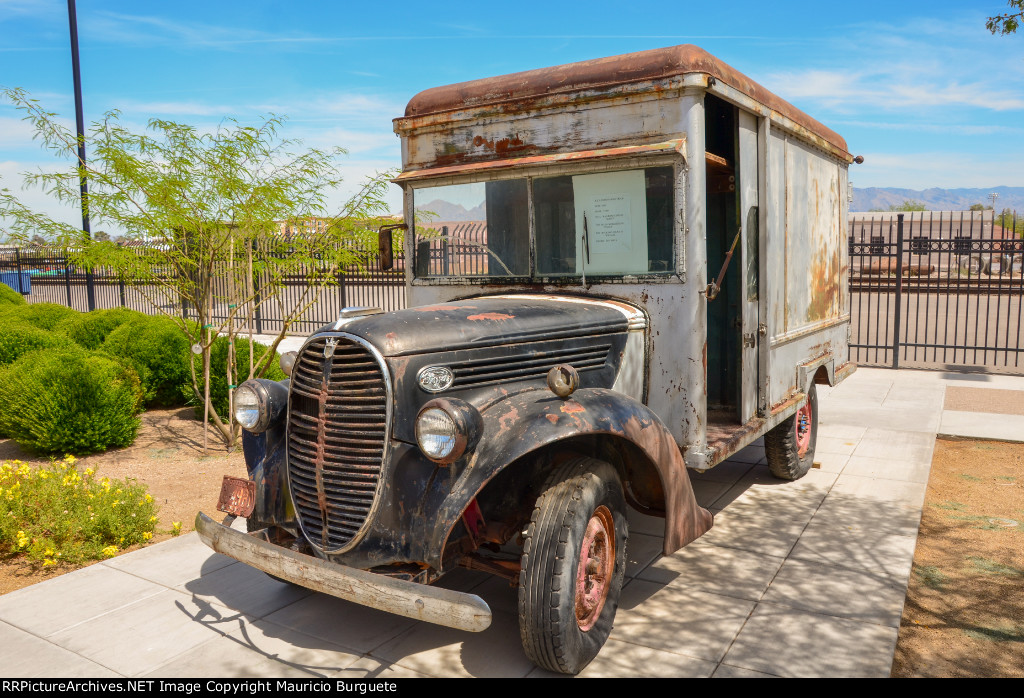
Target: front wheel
{"type": "Point", "coordinates": [573, 564]}
{"type": "Point", "coordinates": [790, 445]}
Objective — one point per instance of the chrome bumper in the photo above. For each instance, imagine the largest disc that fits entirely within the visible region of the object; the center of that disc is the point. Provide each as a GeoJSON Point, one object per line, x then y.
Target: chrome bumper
{"type": "Point", "coordinates": [431, 604]}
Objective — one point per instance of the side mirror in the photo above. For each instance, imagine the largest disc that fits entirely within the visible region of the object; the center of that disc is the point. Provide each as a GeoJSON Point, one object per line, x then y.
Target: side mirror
{"type": "Point", "coordinates": [385, 253]}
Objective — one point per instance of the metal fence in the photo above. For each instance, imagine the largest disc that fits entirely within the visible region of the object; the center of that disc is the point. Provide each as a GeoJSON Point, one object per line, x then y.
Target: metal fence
{"type": "Point", "coordinates": [927, 289]}
{"type": "Point", "coordinates": [47, 276]}
{"type": "Point", "coordinates": [936, 289]}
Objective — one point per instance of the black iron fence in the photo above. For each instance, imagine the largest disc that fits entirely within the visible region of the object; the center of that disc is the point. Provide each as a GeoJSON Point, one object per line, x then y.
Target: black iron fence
{"type": "Point", "coordinates": [46, 275]}
{"type": "Point", "coordinates": [927, 289]}
{"type": "Point", "coordinates": [932, 289]}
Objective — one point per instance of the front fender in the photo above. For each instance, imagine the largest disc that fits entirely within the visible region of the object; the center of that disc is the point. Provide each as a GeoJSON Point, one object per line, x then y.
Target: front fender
{"type": "Point", "coordinates": [526, 422]}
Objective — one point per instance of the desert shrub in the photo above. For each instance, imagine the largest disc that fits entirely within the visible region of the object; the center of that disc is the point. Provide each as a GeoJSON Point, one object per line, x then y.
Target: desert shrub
{"type": "Point", "coordinates": [45, 316]}
{"type": "Point", "coordinates": [158, 351]}
{"type": "Point", "coordinates": [54, 513]}
{"type": "Point", "coordinates": [69, 401]}
{"type": "Point", "coordinates": [219, 371]}
{"type": "Point", "coordinates": [8, 296]}
{"type": "Point", "coordinates": [17, 338]}
{"type": "Point", "coordinates": [90, 330]}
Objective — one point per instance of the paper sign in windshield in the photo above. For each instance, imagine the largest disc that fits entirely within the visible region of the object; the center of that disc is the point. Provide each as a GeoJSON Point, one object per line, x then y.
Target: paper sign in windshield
{"type": "Point", "coordinates": [609, 224]}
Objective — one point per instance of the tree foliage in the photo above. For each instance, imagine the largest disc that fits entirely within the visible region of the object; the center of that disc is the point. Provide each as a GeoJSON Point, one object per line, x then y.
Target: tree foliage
{"type": "Point", "coordinates": [1009, 22]}
{"type": "Point", "coordinates": [216, 209]}
{"type": "Point", "coordinates": [907, 205]}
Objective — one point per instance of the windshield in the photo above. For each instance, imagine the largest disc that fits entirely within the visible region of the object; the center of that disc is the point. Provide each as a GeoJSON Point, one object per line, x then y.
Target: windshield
{"type": "Point", "coordinates": [603, 224]}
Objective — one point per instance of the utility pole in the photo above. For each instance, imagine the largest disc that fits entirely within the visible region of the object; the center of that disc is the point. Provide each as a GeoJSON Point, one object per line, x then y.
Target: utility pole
{"type": "Point", "coordinates": [90, 290]}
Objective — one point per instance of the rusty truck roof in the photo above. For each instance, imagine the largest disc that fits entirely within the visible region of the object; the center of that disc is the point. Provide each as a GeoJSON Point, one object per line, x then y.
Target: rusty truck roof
{"type": "Point", "coordinates": [608, 72]}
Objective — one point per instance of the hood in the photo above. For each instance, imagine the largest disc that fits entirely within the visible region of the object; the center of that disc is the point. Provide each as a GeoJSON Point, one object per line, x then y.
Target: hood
{"type": "Point", "coordinates": [490, 321]}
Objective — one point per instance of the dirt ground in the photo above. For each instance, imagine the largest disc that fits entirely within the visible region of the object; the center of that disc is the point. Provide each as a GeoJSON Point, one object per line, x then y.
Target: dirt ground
{"type": "Point", "coordinates": [964, 613]}
{"type": "Point", "coordinates": [168, 458]}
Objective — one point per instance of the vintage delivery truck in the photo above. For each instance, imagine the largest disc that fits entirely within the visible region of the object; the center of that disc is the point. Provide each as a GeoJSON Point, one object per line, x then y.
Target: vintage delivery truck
{"type": "Point", "coordinates": [619, 270]}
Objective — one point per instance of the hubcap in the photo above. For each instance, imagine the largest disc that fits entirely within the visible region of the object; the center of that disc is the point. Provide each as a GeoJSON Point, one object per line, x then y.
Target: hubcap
{"type": "Point", "coordinates": [803, 428]}
{"type": "Point", "coordinates": [597, 563]}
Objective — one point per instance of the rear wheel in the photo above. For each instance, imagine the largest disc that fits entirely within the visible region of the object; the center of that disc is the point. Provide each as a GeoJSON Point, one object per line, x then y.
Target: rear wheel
{"type": "Point", "coordinates": [574, 560]}
{"type": "Point", "coordinates": [790, 445]}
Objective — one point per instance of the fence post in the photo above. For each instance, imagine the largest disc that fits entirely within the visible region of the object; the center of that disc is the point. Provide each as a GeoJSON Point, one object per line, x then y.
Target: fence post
{"type": "Point", "coordinates": [67, 278]}
{"type": "Point", "coordinates": [899, 292]}
{"type": "Point", "coordinates": [17, 270]}
{"type": "Point", "coordinates": [124, 293]}
{"type": "Point", "coordinates": [342, 291]}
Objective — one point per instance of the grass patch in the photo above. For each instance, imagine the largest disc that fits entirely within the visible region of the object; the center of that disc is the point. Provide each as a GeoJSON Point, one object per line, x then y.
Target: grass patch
{"type": "Point", "coordinates": [53, 513]}
{"type": "Point", "coordinates": [988, 566]}
{"type": "Point", "coordinates": [951, 506]}
{"type": "Point", "coordinates": [986, 523]}
{"type": "Point", "coordinates": [969, 478]}
{"type": "Point", "coordinates": [932, 577]}
{"type": "Point", "coordinates": [1006, 478]}
{"type": "Point", "coordinates": [1006, 633]}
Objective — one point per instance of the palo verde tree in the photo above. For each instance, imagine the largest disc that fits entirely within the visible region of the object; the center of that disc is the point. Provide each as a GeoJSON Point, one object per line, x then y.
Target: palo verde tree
{"type": "Point", "coordinates": [227, 216]}
{"type": "Point", "coordinates": [1007, 22]}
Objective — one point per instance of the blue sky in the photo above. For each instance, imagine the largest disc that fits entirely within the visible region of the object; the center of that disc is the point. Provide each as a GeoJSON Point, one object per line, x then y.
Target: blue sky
{"type": "Point", "coordinates": [921, 89]}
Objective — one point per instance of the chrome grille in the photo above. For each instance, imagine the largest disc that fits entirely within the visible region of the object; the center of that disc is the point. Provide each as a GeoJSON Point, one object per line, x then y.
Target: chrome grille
{"type": "Point", "coordinates": [337, 431]}
{"type": "Point", "coordinates": [526, 366]}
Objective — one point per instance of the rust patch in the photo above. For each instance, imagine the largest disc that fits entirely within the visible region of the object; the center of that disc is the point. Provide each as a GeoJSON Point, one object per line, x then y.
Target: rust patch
{"type": "Point", "coordinates": [507, 420]}
{"type": "Point", "coordinates": [824, 301]}
{"type": "Point", "coordinates": [572, 407]}
{"type": "Point", "coordinates": [490, 316]}
{"type": "Point", "coordinates": [553, 418]}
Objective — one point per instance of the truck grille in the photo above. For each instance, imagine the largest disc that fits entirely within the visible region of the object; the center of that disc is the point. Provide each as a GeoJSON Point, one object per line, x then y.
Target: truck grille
{"type": "Point", "coordinates": [534, 365]}
{"type": "Point", "coordinates": [337, 431]}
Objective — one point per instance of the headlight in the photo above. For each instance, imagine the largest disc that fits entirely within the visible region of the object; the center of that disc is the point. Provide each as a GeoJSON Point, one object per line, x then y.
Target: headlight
{"type": "Point", "coordinates": [259, 402]}
{"type": "Point", "coordinates": [446, 428]}
{"type": "Point", "coordinates": [288, 362]}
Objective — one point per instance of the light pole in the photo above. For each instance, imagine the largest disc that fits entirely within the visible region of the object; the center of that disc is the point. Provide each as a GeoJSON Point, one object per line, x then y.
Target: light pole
{"type": "Point", "coordinates": [80, 123]}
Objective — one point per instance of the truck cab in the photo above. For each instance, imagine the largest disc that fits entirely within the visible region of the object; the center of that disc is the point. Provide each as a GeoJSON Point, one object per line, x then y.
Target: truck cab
{"type": "Point", "coordinates": [617, 270]}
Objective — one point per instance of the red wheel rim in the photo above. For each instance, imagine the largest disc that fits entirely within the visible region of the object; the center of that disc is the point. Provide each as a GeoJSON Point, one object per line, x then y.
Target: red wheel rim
{"type": "Point", "coordinates": [597, 563]}
{"type": "Point", "coordinates": [803, 428]}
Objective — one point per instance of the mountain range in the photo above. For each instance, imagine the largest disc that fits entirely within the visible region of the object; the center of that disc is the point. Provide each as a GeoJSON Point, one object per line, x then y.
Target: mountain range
{"type": "Point", "coordinates": [937, 199]}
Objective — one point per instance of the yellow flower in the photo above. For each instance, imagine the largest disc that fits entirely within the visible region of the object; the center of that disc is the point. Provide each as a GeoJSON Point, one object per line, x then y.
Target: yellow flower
{"type": "Point", "coordinates": [70, 460]}
{"type": "Point", "coordinates": [110, 551]}
{"type": "Point", "coordinates": [147, 535]}
{"type": "Point", "coordinates": [149, 499]}
{"type": "Point", "coordinates": [152, 519]}
{"type": "Point", "coordinates": [89, 471]}
{"type": "Point", "coordinates": [49, 563]}
{"type": "Point", "coordinates": [175, 528]}
{"type": "Point", "coordinates": [48, 552]}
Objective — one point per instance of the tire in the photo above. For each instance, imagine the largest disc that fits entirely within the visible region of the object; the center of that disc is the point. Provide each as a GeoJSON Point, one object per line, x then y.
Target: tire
{"type": "Point", "coordinates": [790, 445]}
{"type": "Point", "coordinates": [564, 616]}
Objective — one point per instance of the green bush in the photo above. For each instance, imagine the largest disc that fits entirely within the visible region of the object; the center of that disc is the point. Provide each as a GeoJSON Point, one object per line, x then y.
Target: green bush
{"type": "Point", "coordinates": [8, 296]}
{"type": "Point", "coordinates": [158, 351]}
{"type": "Point", "coordinates": [18, 337]}
{"type": "Point", "coordinates": [69, 401]}
{"type": "Point", "coordinates": [219, 371]}
{"type": "Point", "coordinates": [55, 514]}
{"type": "Point", "coordinates": [90, 330]}
{"type": "Point", "coordinates": [45, 316]}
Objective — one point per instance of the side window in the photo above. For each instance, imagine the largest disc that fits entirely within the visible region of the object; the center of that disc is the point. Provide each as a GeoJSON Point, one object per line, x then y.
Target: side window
{"type": "Point", "coordinates": [604, 224]}
{"type": "Point", "coordinates": [479, 229]}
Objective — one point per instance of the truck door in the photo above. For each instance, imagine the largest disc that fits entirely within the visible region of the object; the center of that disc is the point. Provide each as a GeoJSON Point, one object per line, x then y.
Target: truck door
{"type": "Point", "coordinates": [748, 256]}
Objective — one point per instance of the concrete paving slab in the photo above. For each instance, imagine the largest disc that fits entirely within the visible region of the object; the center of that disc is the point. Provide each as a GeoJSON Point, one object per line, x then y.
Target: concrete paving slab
{"type": "Point", "coordinates": [858, 545]}
{"type": "Point", "coordinates": [790, 642]}
{"type": "Point", "coordinates": [708, 491]}
{"type": "Point", "coordinates": [998, 427]}
{"type": "Point", "coordinates": [880, 490]}
{"type": "Point", "coordinates": [73, 598]}
{"type": "Point", "coordinates": [443, 652]}
{"type": "Point", "coordinates": [830, 462]}
{"type": "Point", "coordinates": [135, 639]}
{"type": "Point", "coordinates": [714, 569]}
{"type": "Point", "coordinates": [172, 562]}
{"type": "Point", "coordinates": [676, 618]}
{"type": "Point", "coordinates": [25, 656]}
{"type": "Point", "coordinates": [837, 445]}
{"type": "Point", "coordinates": [847, 432]}
{"type": "Point", "coordinates": [888, 468]}
{"type": "Point", "coordinates": [831, 590]}
{"type": "Point", "coordinates": [341, 623]}
{"type": "Point", "coordinates": [729, 471]}
{"type": "Point", "coordinates": [242, 588]}
{"type": "Point", "coordinates": [724, 671]}
{"type": "Point", "coordinates": [626, 659]}
{"type": "Point", "coordinates": [641, 550]}
{"type": "Point", "coordinates": [260, 650]}
{"type": "Point", "coordinates": [377, 670]}
{"type": "Point", "coordinates": [773, 535]}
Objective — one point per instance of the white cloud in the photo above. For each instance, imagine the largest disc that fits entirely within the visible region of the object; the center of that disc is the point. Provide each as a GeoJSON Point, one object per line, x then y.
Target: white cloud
{"type": "Point", "coordinates": [934, 169]}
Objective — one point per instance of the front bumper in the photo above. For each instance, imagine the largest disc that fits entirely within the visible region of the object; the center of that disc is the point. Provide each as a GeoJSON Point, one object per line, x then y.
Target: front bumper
{"type": "Point", "coordinates": [428, 603]}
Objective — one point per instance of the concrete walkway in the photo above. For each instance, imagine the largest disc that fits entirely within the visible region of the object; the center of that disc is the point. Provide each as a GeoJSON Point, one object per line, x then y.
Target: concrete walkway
{"type": "Point", "coordinates": [796, 579]}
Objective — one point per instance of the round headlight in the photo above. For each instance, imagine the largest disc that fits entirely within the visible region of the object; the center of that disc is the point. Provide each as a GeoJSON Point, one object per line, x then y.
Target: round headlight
{"type": "Point", "coordinates": [288, 362]}
{"type": "Point", "coordinates": [436, 433]}
{"type": "Point", "coordinates": [250, 409]}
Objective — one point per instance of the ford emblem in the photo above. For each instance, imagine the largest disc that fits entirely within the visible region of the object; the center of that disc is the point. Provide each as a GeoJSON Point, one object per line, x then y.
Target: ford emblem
{"type": "Point", "coordinates": [435, 379]}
